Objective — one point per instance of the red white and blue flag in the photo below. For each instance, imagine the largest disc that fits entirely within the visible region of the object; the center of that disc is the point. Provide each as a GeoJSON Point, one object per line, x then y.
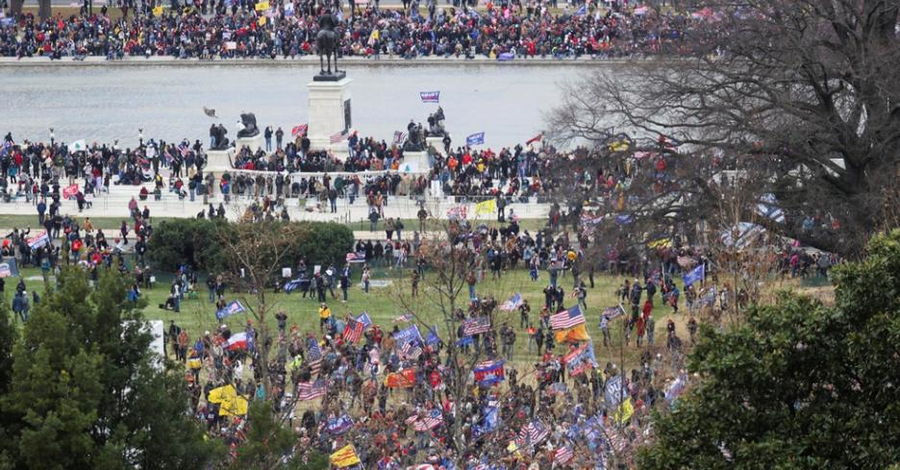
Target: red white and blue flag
{"type": "Point", "coordinates": [567, 318]}
{"type": "Point", "coordinates": [313, 355]}
{"type": "Point", "coordinates": [299, 130]}
{"type": "Point", "coordinates": [353, 331]}
{"type": "Point", "coordinates": [563, 455]}
{"type": "Point", "coordinates": [476, 325]}
{"type": "Point", "coordinates": [233, 307]}
{"type": "Point", "coordinates": [39, 240]}
{"type": "Point", "coordinates": [399, 136]}
{"type": "Point", "coordinates": [430, 96]}
{"type": "Point", "coordinates": [335, 138]}
{"type": "Point", "coordinates": [311, 390]}
{"type": "Point", "coordinates": [237, 341]}
{"type": "Point", "coordinates": [533, 433]}
{"type": "Point", "coordinates": [489, 372]}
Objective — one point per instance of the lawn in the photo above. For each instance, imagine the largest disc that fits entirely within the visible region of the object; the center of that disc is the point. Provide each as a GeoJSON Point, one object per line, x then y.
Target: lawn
{"type": "Point", "coordinates": [10, 221]}
{"type": "Point", "coordinates": [386, 303]}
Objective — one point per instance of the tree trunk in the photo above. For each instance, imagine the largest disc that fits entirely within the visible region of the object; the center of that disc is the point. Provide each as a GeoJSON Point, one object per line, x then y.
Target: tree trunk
{"type": "Point", "coordinates": [15, 7]}
{"type": "Point", "coordinates": [44, 9]}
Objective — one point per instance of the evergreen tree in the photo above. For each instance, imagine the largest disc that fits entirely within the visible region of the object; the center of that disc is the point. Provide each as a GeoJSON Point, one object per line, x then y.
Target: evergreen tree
{"type": "Point", "coordinates": [88, 393]}
{"type": "Point", "coordinates": [799, 385]}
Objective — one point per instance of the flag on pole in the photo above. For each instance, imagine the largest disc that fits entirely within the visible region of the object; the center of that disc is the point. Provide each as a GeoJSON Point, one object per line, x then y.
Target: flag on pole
{"type": "Point", "coordinates": [78, 146]}
{"type": "Point", "coordinates": [301, 129]}
{"type": "Point", "coordinates": [262, 6]}
{"type": "Point", "coordinates": [534, 139]}
{"type": "Point", "coordinates": [70, 191]}
{"type": "Point", "coordinates": [337, 137]}
{"type": "Point", "coordinates": [486, 207]}
{"type": "Point", "coordinates": [513, 303]}
{"type": "Point", "coordinates": [233, 308]}
{"type": "Point", "coordinates": [695, 275]}
{"type": "Point", "coordinates": [345, 457]}
{"type": "Point", "coordinates": [353, 331]}
{"type": "Point", "coordinates": [399, 137]}
{"type": "Point", "coordinates": [405, 318]}
{"type": "Point", "coordinates": [430, 96]}
{"type": "Point", "coordinates": [476, 325]}
{"type": "Point", "coordinates": [364, 319]}
{"type": "Point", "coordinates": [311, 390]}
{"type": "Point", "coordinates": [313, 355]}
{"type": "Point", "coordinates": [408, 335]}
{"type": "Point", "coordinates": [489, 372]}
{"type": "Point", "coordinates": [38, 240]}
{"type": "Point", "coordinates": [237, 341]}
{"type": "Point", "coordinates": [567, 318]}
{"type": "Point", "coordinates": [475, 139]}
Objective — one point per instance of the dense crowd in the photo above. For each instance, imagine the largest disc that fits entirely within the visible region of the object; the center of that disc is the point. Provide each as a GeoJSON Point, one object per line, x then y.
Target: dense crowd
{"type": "Point", "coordinates": [214, 30]}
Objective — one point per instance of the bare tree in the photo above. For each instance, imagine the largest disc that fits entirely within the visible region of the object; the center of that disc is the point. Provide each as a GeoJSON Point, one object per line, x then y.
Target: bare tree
{"type": "Point", "coordinates": [805, 90]}
{"type": "Point", "coordinates": [254, 254]}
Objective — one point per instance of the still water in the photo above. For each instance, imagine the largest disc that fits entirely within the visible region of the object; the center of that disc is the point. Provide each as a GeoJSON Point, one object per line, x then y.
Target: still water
{"type": "Point", "coordinates": [108, 103]}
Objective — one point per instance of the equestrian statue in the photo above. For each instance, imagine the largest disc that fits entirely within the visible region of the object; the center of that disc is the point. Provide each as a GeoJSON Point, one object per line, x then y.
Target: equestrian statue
{"type": "Point", "coordinates": [327, 42]}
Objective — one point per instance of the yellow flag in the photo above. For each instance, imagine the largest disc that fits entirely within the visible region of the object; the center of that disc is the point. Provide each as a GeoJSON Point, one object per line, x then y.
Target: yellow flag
{"type": "Point", "coordinates": [230, 403]}
{"type": "Point", "coordinates": [623, 414]}
{"type": "Point", "coordinates": [262, 21]}
{"type": "Point", "coordinates": [486, 207]}
{"type": "Point", "coordinates": [345, 457]}
{"type": "Point", "coordinates": [262, 6]}
{"type": "Point", "coordinates": [157, 11]}
{"type": "Point", "coordinates": [573, 335]}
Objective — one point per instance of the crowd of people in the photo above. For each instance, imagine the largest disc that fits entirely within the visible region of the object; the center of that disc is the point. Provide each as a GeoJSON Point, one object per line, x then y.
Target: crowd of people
{"type": "Point", "coordinates": [227, 30]}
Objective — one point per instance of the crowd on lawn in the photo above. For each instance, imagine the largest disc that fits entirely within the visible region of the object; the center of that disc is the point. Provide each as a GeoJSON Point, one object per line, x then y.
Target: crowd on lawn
{"type": "Point", "coordinates": [247, 29]}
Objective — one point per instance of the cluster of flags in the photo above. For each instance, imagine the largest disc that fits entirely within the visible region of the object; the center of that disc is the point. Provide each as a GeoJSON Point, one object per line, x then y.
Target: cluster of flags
{"type": "Point", "coordinates": [570, 325]}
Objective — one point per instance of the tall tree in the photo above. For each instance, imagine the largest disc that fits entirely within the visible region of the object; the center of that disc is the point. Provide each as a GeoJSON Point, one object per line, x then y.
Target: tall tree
{"type": "Point", "coordinates": [87, 391]}
{"type": "Point", "coordinates": [797, 95]}
{"type": "Point", "coordinates": [798, 385]}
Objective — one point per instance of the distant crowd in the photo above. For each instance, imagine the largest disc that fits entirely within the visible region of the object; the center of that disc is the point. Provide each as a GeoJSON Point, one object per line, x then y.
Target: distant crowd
{"type": "Point", "coordinates": [245, 29]}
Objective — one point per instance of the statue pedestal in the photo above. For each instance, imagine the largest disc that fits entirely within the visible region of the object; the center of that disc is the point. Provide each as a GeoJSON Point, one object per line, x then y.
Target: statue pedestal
{"type": "Point", "coordinates": [219, 160]}
{"type": "Point", "coordinates": [437, 143]}
{"type": "Point", "coordinates": [254, 143]}
{"type": "Point", "coordinates": [329, 113]}
{"type": "Point", "coordinates": [415, 162]}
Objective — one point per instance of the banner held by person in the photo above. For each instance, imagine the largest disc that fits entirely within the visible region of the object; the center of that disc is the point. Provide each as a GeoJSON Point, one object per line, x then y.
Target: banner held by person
{"type": "Point", "coordinates": [475, 139]}
{"type": "Point", "coordinates": [430, 96]}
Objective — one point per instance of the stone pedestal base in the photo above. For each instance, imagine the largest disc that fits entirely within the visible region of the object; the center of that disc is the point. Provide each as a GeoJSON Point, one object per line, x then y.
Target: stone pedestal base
{"type": "Point", "coordinates": [415, 162]}
{"type": "Point", "coordinates": [329, 112]}
{"type": "Point", "coordinates": [437, 143]}
{"type": "Point", "coordinates": [254, 143]}
{"type": "Point", "coordinates": [219, 160]}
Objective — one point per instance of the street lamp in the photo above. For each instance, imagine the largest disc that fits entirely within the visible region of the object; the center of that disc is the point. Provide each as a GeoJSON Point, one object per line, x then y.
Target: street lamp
{"type": "Point", "coordinates": [51, 136]}
{"type": "Point", "coordinates": [141, 136]}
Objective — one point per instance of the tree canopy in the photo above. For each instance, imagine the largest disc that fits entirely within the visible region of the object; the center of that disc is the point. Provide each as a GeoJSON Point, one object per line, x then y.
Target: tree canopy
{"type": "Point", "coordinates": [87, 392]}
{"type": "Point", "coordinates": [799, 385]}
{"type": "Point", "coordinates": [795, 98]}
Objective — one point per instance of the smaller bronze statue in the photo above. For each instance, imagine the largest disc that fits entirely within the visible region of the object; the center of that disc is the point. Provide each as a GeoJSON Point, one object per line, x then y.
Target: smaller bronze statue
{"type": "Point", "coordinates": [327, 42]}
{"type": "Point", "coordinates": [248, 120]}
{"type": "Point", "coordinates": [219, 132]}
{"type": "Point", "coordinates": [415, 139]}
{"type": "Point", "coordinates": [436, 124]}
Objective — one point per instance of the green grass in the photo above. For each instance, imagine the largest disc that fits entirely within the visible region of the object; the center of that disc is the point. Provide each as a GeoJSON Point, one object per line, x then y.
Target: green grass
{"type": "Point", "coordinates": [384, 304]}
{"type": "Point", "coordinates": [8, 222]}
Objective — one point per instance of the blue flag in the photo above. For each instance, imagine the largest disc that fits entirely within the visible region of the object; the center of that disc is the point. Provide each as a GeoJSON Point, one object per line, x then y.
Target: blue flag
{"type": "Point", "coordinates": [408, 335]}
{"type": "Point", "coordinates": [432, 337]}
{"type": "Point", "coordinates": [364, 319]}
{"type": "Point", "coordinates": [475, 139]}
{"type": "Point", "coordinates": [697, 274]}
{"type": "Point", "coordinates": [430, 96]}
{"type": "Point", "coordinates": [232, 308]}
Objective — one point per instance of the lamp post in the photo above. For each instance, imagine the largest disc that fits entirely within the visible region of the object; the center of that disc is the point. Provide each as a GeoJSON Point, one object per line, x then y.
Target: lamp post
{"type": "Point", "coordinates": [141, 136]}
{"type": "Point", "coordinates": [51, 136]}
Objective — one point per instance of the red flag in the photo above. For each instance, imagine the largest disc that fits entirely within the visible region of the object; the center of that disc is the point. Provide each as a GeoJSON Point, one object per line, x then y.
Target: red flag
{"type": "Point", "coordinates": [534, 139]}
{"type": "Point", "coordinates": [299, 130]}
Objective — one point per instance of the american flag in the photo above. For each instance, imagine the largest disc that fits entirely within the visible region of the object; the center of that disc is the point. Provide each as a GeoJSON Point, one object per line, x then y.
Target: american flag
{"type": "Point", "coordinates": [411, 350]}
{"type": "Point", "coordinates": [313, 355]}
{"type": "Point", "coordinates": [335, 138]}
{"type": "Point", "coordinates": [533, 433]}
{"type": "Point", "coordinates": [353, 331]}
{"type": "Point", "coordinates": [563, 455]}
{"type": "Point", "coordinates": [616, 442]}
{"type": "Point", "coordinates": [398, 137]}
{"type": "Point", "coordinates": [476, 325]}
{"type": "Point", "coordinates": [311, 390]}
{"type": "Point", "coordinates": [567, 318]}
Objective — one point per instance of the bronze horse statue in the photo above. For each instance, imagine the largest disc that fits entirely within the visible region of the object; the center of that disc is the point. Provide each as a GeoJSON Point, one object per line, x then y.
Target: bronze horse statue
{"type": "Point", "coordinates": [327, 42]}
